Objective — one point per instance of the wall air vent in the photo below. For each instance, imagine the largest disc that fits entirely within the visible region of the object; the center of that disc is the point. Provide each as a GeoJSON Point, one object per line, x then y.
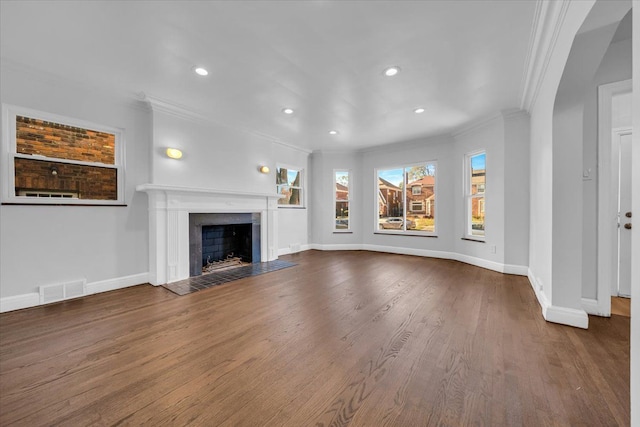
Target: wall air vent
{"type": "Point", "coordinates": [62, 291]}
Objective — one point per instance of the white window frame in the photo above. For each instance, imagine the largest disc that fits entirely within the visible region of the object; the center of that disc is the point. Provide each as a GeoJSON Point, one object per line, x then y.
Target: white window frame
{"type": "Point", "coordinates": [468, 197]}
{"type": "Point", "coordinates": [303, 192]}
{"type": "Point", "coordinates": [9, 154]}
{"type": "Point", "coordinates": [414, 188]}
{"type": "Point", "coordinates": [377, 229]}
{"type": "Point", "coordinates": [349, 200]}
{"type": "Point", "coordinates": [416, 202]}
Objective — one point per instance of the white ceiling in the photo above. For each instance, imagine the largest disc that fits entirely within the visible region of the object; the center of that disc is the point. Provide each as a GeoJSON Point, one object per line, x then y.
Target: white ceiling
{"type": "Point", "coordinates": [460, 60]}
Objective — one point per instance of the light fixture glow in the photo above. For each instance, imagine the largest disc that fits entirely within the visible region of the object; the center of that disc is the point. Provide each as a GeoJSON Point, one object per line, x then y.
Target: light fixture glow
{"type": "Point", "coordinates": [201, 71]}
{"type": "Point", "coordinates": [264, 169]}
{"type": "Point", "coordinates": [392, 71]}
{"type": "Point", "coordinates": [333, 132]}
{"type": "Point", "coordinates": [419, 110]}
{"type": "Point", "coordinates": [174, 153]}
{"type": "Point", "coordinates": [287, 110]}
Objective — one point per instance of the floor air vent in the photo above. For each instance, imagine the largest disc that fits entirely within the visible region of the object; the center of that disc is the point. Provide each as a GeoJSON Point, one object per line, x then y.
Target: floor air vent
{"type": "Point", "coordinates": [62, 291]}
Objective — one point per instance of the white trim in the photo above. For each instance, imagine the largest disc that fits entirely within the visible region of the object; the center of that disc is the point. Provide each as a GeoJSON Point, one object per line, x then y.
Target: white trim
{"type": "Point", "coordinates": [548, 19]}
{"type": "Point", "coordinates": [18, 302]}
{"type": "Point", "coordinates": [9, 152]}
{"type": "Point", "coordinates": [607, 213]}
{"type": "Point", "coordinates": [117, 283]}
{"type": "Point", "coordinates": [183, 112]}
{"type": "Point", "coordinates": [287, 251]}
{"type": "Point", "coordinates": [562, 315]}
{"type": "Point", "coordinates": [567, 316]}
{"type": "Point", "coordinates": [208, 191]}
{"type": "Point", "coordinates": [591, 306]}
{"type": "Point", "coordinates": [467, 184]}
{"type": "Point", "coordinates": [376, 213]}
{"type": "Point", "coordinates": [302, 187]}
{"type": "Point", "coordinates": [520, 270]}
{"type": "Point", "coordinates": [475, 125]}
{"type": "Point", "coordinates": [348, 201]}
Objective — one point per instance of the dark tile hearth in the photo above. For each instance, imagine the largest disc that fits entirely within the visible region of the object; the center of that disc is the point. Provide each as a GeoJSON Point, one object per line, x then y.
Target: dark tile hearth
{"type": "Point", "coordinates": [197, 283]}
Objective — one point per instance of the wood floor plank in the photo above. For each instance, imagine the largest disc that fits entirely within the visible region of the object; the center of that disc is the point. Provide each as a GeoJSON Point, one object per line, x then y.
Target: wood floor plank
{"type": "Point", "coordinates": [343, 338]}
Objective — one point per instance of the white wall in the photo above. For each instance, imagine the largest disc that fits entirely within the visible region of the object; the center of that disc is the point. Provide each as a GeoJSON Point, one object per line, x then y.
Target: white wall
{"type": "Point", "coordinates": [507, 194]}
{"type": "Point", "coordinates": [440, 149]}
{"type": "Point", "coordinates": [219, 157]}
{"type": "Point", "coordinates": [541, 154]}
{"type": "Point", "coordinates": [615, 66]}
{"type": "Point", "coordinates": [489, 137]}
{"type": "Point", "coordinates": [516, 188]}
{"type": "Point", "coordinates": [323, 165]}
{"type": "Point", "coordinates": [42, 245]}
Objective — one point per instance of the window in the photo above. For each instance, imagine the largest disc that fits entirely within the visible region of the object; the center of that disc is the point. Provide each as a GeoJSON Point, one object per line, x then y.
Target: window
{"type": "Point", "coordinates": [412, 186]}
{"type": "Point", "coordinates": [475, 182]}
{"type": "Point", "coordinates": [52, 159]}
{"type": "Point", "coordinates": [417, 206]}
{"type": "Point", "coordinates": [289, 182]}
{"type": "Point", "coordinates": [342, 199]}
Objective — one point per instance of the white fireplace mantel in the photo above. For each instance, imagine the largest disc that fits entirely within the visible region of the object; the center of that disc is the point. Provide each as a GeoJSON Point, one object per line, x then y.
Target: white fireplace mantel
{"type": "Point", "coordinates": [169, 209]}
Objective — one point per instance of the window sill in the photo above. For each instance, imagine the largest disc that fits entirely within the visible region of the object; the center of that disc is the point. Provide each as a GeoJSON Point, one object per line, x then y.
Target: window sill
{"type": "Point", "coordinates": [342, 232]}
{"type": "Point", "coordinates": [291, 207]}
{"type": "Point", "coordinates": [469, 239]}
{"type": "Point", "coordinates": [404, 233]}
{"type": "Point", "coordinates": [102, 205]}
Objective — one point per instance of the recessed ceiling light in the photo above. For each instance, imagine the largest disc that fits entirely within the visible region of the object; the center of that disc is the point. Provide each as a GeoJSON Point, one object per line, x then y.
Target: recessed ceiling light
{"type": "Point", "coordinates": [392, 71]}
{"type": "Point", "coordinates": [201, 71]}
{"type": "Point", "coordinates": [287, 110]}
{"type": "Point", "coordinates": [419, 110]}
{"type": "Point", "coordinates": [333, 132]}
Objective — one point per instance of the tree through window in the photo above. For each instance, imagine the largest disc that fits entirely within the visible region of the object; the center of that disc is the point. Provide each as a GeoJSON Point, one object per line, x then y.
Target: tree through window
{"type": "Point", "coordinates": [407, 198]}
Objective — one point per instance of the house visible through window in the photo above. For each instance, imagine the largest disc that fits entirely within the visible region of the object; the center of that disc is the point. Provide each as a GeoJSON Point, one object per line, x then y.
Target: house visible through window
{"type": "Point", "coordinates": [50, 158]}
{"type": "Point", "coordinates": [342, 200]}
{"type": "Point", "coordinates": [475, 182]}
{"type": "Point", "coordinates": [289, 183]}
{"type": "Point", "coordinates": [411, 186]}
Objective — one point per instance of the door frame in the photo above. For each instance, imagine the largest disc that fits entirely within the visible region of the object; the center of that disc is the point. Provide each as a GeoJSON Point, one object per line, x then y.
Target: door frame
{"type": "Point", "coordinates": [616, 136]}
{"type": "Point", "coordinates": [607, 211]}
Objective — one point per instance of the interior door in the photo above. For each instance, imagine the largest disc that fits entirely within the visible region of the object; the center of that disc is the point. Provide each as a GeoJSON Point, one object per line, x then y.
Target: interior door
{"type": "Point", "coordinates": [625, 215]}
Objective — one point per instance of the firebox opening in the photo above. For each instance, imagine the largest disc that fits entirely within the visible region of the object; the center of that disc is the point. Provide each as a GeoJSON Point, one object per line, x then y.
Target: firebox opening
{"type": "Point", "coordinates": [222, 240]}
{"type": "Point", "coordinates": [225, 246]}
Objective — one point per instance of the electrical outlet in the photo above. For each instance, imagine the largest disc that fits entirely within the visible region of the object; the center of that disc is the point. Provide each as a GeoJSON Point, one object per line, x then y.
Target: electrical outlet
{"type": "Point", "coordinates": [493, 249]}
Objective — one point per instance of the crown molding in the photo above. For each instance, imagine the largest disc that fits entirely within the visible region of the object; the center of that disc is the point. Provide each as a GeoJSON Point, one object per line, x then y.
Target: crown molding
{"type": "Point", "coordinates": [186, 113]}
{"type": "Point", "coordinates": [476, 124]}
{"type": "Point", "coordinates": [547, 22]}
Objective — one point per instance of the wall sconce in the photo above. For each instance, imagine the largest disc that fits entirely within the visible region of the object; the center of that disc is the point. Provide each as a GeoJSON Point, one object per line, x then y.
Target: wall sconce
{"type": "Point", "coordinates": [264, 169]}
{"type": "Point", "coordinates": [174, 153]}
{"type": "Point", "coordinates": [54, 171]}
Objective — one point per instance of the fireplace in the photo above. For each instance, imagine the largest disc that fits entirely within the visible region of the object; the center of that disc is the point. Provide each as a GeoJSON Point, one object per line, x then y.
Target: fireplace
{"type": "Point", "coordinates": [170, 210]}
{"type": "Point", "coordinates": [218, 236]}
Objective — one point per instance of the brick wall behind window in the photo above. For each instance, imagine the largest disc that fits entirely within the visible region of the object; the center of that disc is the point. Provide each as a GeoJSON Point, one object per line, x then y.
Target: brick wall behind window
{"type": "Point", "coordinates": [89, 182]}
{"type": "Point", "coordinates": [49, 139]}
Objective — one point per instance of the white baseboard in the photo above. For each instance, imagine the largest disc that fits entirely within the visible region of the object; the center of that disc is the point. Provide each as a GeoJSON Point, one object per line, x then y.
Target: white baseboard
{"type": "Point", "coordinates": [287, 251]}
{"type": "Point", "coordinates": [18, 302]}
{"type": "Point", "coordinates": [520, 270]}
{"type": "Point", "coordinates": [591, 306]}
{"type": "Point", "coordinates": [565, 316]}
{"type": "Point", "coordinates": [117, 283]}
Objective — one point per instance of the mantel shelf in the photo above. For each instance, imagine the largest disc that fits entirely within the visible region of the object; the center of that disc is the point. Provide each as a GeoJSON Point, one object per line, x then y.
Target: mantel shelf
{"type": "Point", "coordinates": [151, 188]}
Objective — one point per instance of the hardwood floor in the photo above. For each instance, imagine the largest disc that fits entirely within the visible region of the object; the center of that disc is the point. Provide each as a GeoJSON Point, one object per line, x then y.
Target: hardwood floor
{"type": "Point", "coordinates": [621, 306]}
{"type": "Point", "coordinates": [359, 338]}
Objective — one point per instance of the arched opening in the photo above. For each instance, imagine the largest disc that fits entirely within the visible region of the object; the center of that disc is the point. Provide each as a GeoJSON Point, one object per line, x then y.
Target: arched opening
{"type": "Point", "coordinates": [574, 152]}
